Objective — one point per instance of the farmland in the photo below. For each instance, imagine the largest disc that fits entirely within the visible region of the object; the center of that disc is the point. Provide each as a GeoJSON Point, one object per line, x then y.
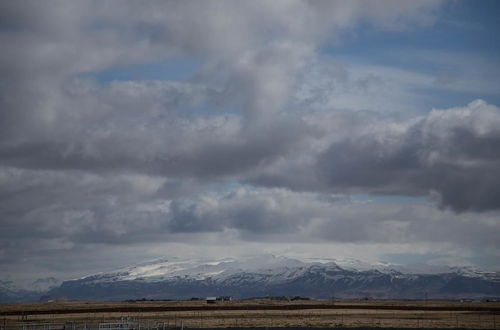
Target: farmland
{"type": "Point", "coordinates": [260, 313]}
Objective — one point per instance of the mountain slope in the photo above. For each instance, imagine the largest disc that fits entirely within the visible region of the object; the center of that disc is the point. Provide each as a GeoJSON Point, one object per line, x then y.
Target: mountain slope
{"type": "Point", "coordinates": [11, 294]}
{"type": "Point", "coordinates": [275, 276]}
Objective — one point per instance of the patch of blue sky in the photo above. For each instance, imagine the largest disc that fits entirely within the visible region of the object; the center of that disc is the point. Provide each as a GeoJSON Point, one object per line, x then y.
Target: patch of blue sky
{"type": "Point", "coordinates": [389, 198]}
{"type": "Point", "coordinates": [410, 258]}
{"type": "Point", "coordinates": [173, 69]}
{"type": "Point", "coordinates": [441, 98]}
{"type": "Point", "coordinates": [446, 64]}
{"type": "Point", "coordinates": [209, 109]}
{"type": "Point", "coordinates": [486, 261]}
{"type": "Point", "coordinates": [480, 259]}
{"type": "Point", "coordinates": [226, 186]}
{"type": "Point", "coordinates": [469, 27]}
{"type": "Point", "coordinates": [462, 41]}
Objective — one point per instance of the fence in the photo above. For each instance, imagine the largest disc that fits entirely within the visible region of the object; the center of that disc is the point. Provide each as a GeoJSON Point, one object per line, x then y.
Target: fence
{"type": "Point", "coordinates": [267, 319]}
{"type": "Point", "coordinates": [120, 325]}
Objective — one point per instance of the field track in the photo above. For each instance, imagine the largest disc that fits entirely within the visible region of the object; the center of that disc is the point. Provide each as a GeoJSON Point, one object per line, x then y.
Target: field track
{"type": "Point", "coordinates": [171, 307]}
{"type": "Point", "coordinates": [261, 313]}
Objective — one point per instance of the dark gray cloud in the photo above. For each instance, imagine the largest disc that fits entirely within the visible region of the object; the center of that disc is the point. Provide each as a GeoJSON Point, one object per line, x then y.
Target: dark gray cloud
{"type": "Point", "coordinates": [53, 118]}
{"type": "Point", "coordinates": [263, 214]}
{"type": "Point", "coordinates": [449, 154]}
{"type": "Point", "coordinates": [87, 164]}
{"type": "Point", "coordinates": [124, 210]}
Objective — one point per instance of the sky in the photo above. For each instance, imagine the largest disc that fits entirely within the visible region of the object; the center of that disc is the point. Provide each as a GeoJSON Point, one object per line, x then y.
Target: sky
{"type": "Point", "coordinates": [132, 130]}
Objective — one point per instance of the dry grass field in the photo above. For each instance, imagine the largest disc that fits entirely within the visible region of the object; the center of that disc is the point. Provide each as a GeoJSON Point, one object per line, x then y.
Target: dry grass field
{"type": "Point", "coordinates": [260, 313]}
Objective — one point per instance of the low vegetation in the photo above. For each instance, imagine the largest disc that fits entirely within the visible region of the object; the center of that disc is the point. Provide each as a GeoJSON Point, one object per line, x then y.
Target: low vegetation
{"type": "Point", "coordinates": [263, 313]}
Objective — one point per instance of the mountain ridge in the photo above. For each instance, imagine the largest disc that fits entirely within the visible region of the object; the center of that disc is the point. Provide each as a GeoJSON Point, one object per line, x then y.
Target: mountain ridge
{"type": "Point", "coordinates": [265, 275]}
{"type": "Point", "coordinates": [277, 276]}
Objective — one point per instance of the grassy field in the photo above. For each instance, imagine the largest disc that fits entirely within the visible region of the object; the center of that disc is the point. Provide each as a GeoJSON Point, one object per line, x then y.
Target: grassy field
{"type": "Point", "coordinates": [263, 313]}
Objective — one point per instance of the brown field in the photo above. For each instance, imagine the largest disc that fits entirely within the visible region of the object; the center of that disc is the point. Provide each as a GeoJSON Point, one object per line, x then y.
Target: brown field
{"type": "Point", "coordinates": [259, 313]}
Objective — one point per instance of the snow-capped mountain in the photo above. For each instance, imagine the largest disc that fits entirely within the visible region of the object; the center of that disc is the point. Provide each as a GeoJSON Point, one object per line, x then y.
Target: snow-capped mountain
{"type": "Point", "coordinates": [270, 275]}
{"type": "Point", "coordinates": [43, 284]}
{"type": "Point", "coordinates": [9, 292]}
{"type": "Point", "coordinates": [166, 269]}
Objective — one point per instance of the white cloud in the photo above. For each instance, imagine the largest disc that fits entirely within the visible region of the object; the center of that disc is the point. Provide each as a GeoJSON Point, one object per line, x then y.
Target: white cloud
{"type": "Point", "coordinates": [131, 166]}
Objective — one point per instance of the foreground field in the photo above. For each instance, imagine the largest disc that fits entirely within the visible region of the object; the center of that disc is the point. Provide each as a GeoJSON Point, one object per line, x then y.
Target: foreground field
{"type": "Point", "coordinates": [257, 313]}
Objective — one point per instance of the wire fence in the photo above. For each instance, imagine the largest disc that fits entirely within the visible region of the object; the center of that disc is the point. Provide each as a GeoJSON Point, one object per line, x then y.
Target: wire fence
{"type": "Point", "coordinates": [271, 319]}
{"type": "Point", "coordinates": [121, 325]}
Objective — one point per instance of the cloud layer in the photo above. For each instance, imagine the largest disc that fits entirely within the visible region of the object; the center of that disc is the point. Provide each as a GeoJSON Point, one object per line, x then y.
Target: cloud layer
{"type": "Point", "coordinates": [268, 138]}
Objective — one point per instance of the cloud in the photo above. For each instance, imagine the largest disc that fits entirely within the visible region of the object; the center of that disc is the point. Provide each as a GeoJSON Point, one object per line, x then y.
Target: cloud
{"type": "Point", "coordinates": [278, 214]}
{"type": "Point", "coordinates": [243, 150]}
{"type": "Point", "coordinates": [49, 216]}
{"type": "Point", "coordinates": [58, 212]}
{"type": "Point", "coordinates": [252, 53]}
{"type": "Point", "coordinates": [449, 154]}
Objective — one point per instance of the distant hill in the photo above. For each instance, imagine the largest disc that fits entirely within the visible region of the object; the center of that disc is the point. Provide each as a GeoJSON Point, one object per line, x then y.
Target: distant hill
{"type": "Point", "coordinates": [279, 276]}
{"type": "Point", "coordinates": [11, 294]}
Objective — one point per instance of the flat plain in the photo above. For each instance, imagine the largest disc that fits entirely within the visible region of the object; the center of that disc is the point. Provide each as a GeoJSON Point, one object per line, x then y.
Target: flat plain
{"type": "Point", "coordinates": [260, 313]}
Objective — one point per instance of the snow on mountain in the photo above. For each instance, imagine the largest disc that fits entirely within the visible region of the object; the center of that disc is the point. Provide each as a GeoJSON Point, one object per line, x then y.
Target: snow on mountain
{"type": "Point", "coordinates": [358, 265]}
{"type": "Point", "coordinates": [163, 269]}
{"type": "Point", "coordinates": [266, 275]}
{"type": "Point", "coordinates": [270, 275]}
{"type": "Point", "coordinates": [274, 268]}
{"type": "Point", "coordinates": [409, 269]}
{"type": "Point", "coordinates": [10, 293]}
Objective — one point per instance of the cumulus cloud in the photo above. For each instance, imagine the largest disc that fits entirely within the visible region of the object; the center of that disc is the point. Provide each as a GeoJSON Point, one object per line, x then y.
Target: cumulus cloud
{"type": "Point", "coordinates": [449, 151]}
{"type": "Point", "coordinates": [449, 154]}
{"type": "Point", "coordinates": [85, 163]}
{"type": "Point", "coordinates": [83, 209]}
{"type": "Point", "coordinates": [275, 214]}
{"type": "Point", "coordinates": [252, 52]}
